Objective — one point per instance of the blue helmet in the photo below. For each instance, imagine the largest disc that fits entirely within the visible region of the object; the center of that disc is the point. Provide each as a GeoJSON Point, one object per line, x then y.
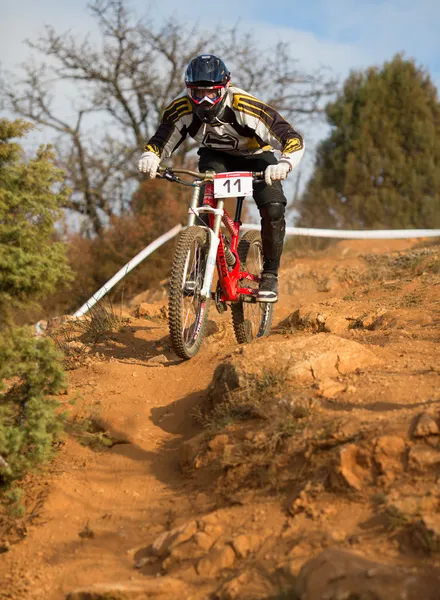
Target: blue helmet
{"type": "Point", "coordinates": [206, 79]}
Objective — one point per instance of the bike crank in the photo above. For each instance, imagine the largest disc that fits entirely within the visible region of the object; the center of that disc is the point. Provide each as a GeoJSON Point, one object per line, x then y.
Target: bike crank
{"type": "Point", "coordinates": [220, 305]}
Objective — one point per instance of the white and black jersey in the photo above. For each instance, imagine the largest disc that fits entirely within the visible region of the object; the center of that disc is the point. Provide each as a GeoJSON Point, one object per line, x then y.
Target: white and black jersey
{"type": "Point", "coordinates": [247, 126]}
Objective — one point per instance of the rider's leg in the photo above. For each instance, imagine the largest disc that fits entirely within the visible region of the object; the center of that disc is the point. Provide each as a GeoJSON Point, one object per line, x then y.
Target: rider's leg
{"type": "Point", "coordinates": [271, 203]}
{"type": "Point", "coordinates": [273, 229]}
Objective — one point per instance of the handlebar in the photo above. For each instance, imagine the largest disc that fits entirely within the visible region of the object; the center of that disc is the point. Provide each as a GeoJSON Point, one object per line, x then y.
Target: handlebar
{"type": "Point", "coordinates": [203, 176]}
{"type": "Point", "coordinates": [171, 174]}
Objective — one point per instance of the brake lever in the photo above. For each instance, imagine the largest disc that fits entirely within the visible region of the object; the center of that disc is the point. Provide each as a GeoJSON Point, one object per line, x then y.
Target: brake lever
{"type": "Point", "coordinates": [166, 174]}
{"type": "Point", "coordinates": [170, 176]}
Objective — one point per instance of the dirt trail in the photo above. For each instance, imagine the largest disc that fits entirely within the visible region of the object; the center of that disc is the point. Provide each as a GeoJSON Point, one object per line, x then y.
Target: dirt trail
{"type": "Point", "coordinates": [103, 505]}
{"type": "Point", "coordinates": [124, 495]}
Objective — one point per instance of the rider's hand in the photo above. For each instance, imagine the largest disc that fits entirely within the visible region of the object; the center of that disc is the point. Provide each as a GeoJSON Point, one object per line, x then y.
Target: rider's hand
{"type": "Point", "coordinates": [276, 172]}
{"type": "Point", "coordinates": [148, 164]}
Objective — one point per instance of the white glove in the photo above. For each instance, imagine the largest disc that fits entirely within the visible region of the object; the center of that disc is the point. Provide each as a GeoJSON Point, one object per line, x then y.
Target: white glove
{"type": "Point", "coordinates": [276, 172]}
{"type": "Point", "coordinates": [148, 164]}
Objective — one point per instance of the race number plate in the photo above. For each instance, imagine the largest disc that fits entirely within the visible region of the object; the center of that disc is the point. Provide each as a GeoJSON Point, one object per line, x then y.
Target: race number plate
{"type": "Point", "coordinates": [231, 185]}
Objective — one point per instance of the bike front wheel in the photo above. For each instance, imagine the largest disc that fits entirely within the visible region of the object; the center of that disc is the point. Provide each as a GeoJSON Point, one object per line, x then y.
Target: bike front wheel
{"type": "Point", "coordinates": [187, 310]}
{"type": "Point", "coordinates": [251, 320]}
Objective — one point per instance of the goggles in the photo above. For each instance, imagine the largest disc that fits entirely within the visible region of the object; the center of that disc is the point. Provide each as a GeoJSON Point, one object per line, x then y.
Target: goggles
{"type": "Point", "coordinates": [211, 95]}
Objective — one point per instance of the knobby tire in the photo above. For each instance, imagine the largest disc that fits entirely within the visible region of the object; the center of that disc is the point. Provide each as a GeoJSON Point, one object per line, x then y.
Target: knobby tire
{"type": "Point", "coordinates": [187, 329]}
{"type": "Point", "coordinates": [250, 250]}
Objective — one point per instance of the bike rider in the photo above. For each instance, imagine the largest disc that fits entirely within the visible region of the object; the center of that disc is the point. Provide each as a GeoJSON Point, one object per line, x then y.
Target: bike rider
{"type": "Point", "coordinates": [236, 132]}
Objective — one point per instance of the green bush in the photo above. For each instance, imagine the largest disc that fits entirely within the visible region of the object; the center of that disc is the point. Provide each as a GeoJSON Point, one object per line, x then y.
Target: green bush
{"type": "Point", "coordinates": [31, 266]}
{"type": "Point", "coordinates": [30, 371]}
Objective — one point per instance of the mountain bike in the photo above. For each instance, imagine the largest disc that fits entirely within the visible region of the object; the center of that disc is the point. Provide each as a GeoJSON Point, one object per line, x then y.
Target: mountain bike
{"type": "Point", "coordinates": [204, 248]}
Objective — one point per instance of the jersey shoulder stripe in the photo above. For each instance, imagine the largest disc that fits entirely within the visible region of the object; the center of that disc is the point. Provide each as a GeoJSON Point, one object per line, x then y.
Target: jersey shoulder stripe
{"type": "Point", "coordinates": [251, 106]}
{"type": "Point", "coordinates": [177, 109]}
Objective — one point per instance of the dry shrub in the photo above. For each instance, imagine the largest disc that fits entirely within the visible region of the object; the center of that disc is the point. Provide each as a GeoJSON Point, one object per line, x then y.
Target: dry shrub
{"type": "Point", "coordinates": [88, 432]}
{"type": "Point", "coordinates": [411, 531]}
{"type": "Point", "coordinates": [266, 397]}
{"type": "Point", "coordinates": [157, 206]}
{"type": "Point", "coordinates": [96, 261]}
{"type": "Point", "coordinates": [66, 338]}
{"type": "Point", "coordinates": [259, 418]}
{"type": "Point", "coordinates": [394, 518]}
{"type": "Point", "coordinates": [75, 337]}
{"type": "Point", "coordinates": [99, 322]}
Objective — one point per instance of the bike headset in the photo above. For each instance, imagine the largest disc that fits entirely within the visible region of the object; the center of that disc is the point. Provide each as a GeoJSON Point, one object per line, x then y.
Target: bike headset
{"type": "Point", "coordinates": [206, 80]}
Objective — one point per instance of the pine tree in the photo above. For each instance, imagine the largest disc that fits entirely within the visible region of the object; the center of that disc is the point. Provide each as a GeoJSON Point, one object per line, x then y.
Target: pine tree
{"type": "Point", "coordinates": [380, 166]}
{"type": "Point", "coordinates": [31, 265]}
{"type": "Point", "coordinates": [31, 195]}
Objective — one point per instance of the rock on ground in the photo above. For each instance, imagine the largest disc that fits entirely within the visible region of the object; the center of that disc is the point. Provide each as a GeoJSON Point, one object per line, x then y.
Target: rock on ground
{"type": "Point", "coordinates": [335, 574]}
{"type": "Point", "coordinates": [215, 561]}
{"type": "Point", "coordinates": [304, 359]}
{"type": "Point", "coordinates": [159, 587]}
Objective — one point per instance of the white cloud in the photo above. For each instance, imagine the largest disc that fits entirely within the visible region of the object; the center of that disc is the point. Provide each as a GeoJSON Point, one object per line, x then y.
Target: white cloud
{"type": "Point", "coordinates": [343, 34]}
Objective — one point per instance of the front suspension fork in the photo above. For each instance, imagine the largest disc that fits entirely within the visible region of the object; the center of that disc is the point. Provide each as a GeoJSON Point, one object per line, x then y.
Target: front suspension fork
{"type": "Point", "coordinates": [217, 213]}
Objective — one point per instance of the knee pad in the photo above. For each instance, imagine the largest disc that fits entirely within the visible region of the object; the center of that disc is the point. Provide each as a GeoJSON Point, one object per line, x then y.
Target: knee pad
{"type": "Point", "coordinates": [274, 211]}
{"type": "Point", "coordinates": [273, 229]}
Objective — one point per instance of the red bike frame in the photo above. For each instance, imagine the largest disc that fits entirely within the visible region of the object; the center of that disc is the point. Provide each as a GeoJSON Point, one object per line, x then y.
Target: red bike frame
{"type": "Point", "coordinates": [229, 279]}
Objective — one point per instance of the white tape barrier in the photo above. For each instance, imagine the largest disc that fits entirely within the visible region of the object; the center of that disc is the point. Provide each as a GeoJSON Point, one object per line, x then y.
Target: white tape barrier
{"type": "Point", "coordinates": [127, 268]}
{"type": "Point", "coordinates": [378, 234]}
{"type": "Point", "coordinates": [330, 233]}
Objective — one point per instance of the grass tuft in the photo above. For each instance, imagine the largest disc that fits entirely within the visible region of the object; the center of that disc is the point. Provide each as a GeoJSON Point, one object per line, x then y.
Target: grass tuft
{"type": "Point", "coordinates": [99, 322]}
{"type": "Point", "coordinates": [395, 518]}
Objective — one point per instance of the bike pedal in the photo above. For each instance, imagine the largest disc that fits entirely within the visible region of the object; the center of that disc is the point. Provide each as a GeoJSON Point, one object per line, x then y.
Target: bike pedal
{"type": "Point", "coordinates": [249, 299]}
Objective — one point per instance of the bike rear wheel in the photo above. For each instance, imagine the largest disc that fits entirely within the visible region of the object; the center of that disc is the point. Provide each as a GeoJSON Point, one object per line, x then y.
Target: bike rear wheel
{"type": "Point", "coordinates": [187, 311]}
{"type": "Point", "coordinates": [251, 320]}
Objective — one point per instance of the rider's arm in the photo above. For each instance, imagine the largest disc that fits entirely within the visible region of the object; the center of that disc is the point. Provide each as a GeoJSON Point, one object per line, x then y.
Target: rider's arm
{"type": "Point", "coordinates": [172, 130]}
{"type": "Point", "coordinates": [270, 126]}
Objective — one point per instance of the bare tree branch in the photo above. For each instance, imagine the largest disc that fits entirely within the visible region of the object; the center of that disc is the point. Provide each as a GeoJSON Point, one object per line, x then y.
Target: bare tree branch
{"type": "Point", "coordinates": [122, 89]}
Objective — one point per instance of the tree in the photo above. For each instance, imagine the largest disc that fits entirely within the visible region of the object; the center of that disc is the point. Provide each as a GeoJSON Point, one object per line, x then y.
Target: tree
{"type": "Point", "coordinates": [127, 84]}
{"type": "Point", "coordinates": [31, 264]}
{"type": "Point", "coordinates": [379, 167]}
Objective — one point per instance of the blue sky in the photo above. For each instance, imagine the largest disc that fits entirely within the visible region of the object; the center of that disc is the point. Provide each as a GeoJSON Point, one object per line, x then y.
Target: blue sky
{"type": "Point", "coordinates": [343, 34]}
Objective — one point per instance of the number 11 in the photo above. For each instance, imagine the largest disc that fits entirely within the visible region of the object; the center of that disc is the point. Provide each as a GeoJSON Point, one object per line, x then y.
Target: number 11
{"type": "Point", "coordinates": [237, 182]}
